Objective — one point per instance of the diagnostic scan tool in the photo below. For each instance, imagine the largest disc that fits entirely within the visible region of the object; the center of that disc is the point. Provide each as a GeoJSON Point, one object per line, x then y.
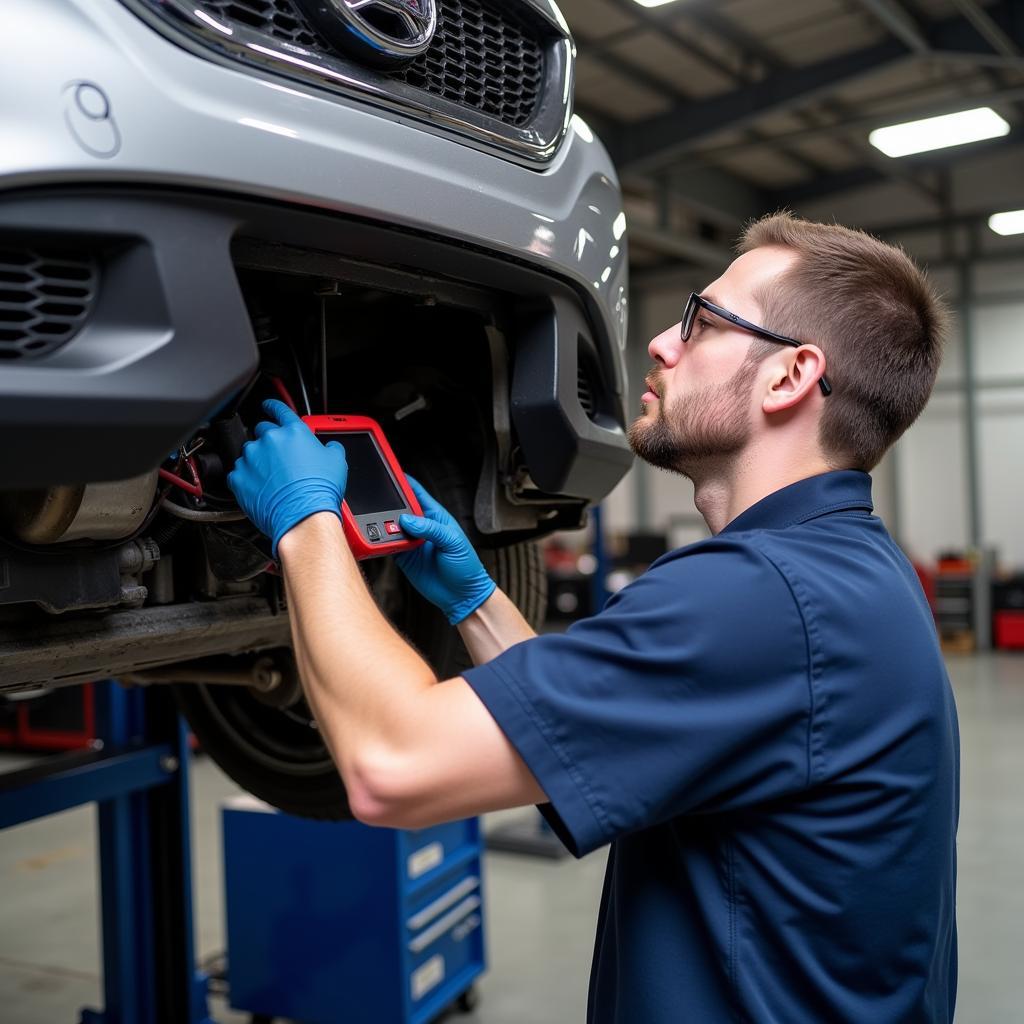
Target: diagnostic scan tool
{"type": "Point", "coordinates": [377, 492]}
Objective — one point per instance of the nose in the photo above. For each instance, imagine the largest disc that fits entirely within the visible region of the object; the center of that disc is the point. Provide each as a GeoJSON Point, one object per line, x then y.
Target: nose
{"type": "Point", "coordinates": [666, 348]}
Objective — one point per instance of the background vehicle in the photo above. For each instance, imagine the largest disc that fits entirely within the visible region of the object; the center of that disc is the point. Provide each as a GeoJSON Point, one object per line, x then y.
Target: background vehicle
{"type": "Point", "coordinates": [220, 201]}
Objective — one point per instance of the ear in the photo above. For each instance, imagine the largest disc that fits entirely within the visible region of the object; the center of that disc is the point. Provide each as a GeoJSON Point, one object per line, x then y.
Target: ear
{"type": "Point", "coordinates": [795, 376]}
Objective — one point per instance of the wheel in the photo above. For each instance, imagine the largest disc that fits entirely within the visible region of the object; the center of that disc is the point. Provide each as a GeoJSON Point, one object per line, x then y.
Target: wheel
{"type": "Point", "coordinates": [275, 752]}
{"type": "Point", "coordinates": [469, 1000]}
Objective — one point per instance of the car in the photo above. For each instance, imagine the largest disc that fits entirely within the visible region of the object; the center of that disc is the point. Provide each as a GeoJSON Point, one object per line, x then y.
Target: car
{"type": "Point", "coordinates": [383, 208]}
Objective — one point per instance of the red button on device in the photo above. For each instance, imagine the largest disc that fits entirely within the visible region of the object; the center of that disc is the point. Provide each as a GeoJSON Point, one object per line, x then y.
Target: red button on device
{"type": "Point", "coordinates": [392, 527]}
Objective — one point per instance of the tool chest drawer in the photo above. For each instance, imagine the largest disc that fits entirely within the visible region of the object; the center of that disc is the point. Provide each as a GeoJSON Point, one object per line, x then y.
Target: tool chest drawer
{"type": "Point", "coordinates": [428, 851]}
{"type": "Point", "coordinates": [340, 923]}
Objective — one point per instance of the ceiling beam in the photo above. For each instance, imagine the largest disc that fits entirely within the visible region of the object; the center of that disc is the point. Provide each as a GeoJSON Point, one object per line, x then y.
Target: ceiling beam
{"type": "Point", "coordinates": [987, 27]}
{"type": "Point", "coordinates": [909, 227]}
{"type": "Point", "coordinates": [670, 276]}
{"type": "Point", "coordinates": [995, 61]}
{"type": "Point", "coordinates": [680, 247]}
{"type": "Point", "coordinates": [717, 196]}
{"type": "Point", "coordinates": [865, 122]}
{"type": "Point", "coordinates": [861, 177]}
{"type": "Point", "coordinates": [899, 23]}
{"type": "Point", "coordinates": [659, 139]}
{"type": "Point", "coordinates": [748, 43]}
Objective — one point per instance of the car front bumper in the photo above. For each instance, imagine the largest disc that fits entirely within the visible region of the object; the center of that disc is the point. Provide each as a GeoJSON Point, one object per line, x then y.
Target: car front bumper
{"type": "Point", "coordinates": [97, 102]}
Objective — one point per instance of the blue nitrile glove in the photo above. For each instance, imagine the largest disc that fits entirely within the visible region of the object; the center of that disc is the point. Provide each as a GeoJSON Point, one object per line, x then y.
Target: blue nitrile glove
{"type": "Point", "coordinates": [287, 474]}
{"type": "Point", "coordinates": [445, 569]}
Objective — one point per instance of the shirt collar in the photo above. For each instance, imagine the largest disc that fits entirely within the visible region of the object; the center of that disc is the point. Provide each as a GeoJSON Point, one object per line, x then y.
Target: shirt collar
{"type": "Point", "coordinates": [838, 491]}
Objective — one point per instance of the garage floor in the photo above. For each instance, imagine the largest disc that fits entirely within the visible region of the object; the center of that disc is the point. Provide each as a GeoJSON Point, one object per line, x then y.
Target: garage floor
{"type": "Point", "coordinates": [541, 914]}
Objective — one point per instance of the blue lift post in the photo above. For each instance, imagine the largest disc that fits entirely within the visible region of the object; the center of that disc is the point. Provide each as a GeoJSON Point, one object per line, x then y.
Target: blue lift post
{"type": "Point", "coordinates": [599, 593]}
{"type": "Point", "coordinates": [138, 777]}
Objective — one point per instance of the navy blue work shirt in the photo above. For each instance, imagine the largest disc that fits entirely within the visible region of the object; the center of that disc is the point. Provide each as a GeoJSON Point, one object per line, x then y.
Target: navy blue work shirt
{"type": "Point", "coordinates": [763, 728]}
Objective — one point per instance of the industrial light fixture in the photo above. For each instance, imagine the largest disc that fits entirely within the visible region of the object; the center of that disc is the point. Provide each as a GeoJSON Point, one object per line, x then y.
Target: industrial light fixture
{"type": "Point", "coordinates": [654, 3]}
{"type": "Point", "coordinates": [939, 132]}
{"type": "Point", "coordinates": [1009, 223]}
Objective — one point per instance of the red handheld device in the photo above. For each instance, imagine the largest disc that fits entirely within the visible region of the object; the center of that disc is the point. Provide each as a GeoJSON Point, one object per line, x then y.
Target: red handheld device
{"type": "Point", "coordinates": [377, 492]}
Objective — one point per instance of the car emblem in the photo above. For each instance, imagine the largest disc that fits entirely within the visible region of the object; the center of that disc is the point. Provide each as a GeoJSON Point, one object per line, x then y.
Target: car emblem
{"type": "Point", "coordinates": [384, 33]}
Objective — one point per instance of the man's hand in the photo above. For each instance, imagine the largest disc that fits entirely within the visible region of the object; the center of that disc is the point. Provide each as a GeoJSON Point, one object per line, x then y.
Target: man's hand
{"type": "Point", "coordinates": [445, 570]}
{"type": "Point", "coordinates": [286, 474]}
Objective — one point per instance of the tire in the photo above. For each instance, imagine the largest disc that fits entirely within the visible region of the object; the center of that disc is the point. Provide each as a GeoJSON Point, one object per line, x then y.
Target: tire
{"type": "Point", "coordinates": [276, 753]}
{"type": "Point", "coordinates": [468, 1001]}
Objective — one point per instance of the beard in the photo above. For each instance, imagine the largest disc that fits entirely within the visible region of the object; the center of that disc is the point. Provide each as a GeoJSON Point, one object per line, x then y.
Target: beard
{"type": "Point", "coordinates": [698, 432]}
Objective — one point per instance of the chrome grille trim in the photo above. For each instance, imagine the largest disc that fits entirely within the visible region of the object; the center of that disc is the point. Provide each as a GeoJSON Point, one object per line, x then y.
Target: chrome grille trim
{"type": "Point", "coordinates": [536, 141]}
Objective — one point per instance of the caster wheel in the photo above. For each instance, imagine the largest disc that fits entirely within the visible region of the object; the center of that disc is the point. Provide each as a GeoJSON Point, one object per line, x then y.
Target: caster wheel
{"type": "Point", "coordinates": [468, 1001]}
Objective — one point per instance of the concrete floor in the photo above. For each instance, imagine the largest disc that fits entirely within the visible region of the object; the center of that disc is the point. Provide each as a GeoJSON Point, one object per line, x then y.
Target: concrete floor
{"type": "Point", "coordinates": [541, 915]}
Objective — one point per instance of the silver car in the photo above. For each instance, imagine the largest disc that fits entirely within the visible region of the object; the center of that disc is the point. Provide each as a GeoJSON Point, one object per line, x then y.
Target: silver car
{"type": "Point", "coordinates": [381, 207]}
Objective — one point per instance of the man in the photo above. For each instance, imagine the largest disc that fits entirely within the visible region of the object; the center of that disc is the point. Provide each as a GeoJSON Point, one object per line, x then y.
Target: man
{"type": "Point", "coordinates": [761, 724]}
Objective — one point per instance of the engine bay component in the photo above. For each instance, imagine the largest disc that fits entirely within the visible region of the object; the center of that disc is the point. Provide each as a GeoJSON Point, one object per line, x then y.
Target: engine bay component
{"type": "Point", "coordinates": [81, 578]}
{"type": "Point", "coordinates": [97, 511]}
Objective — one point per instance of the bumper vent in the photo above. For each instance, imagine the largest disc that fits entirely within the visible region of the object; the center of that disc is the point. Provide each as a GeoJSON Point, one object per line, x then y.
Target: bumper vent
{"type": "Point", "coordinates": [46, 297]}
{"type": "Point", "coordinates": [481, 56]}
{"type": "Point", "coordinates": [585, 392]}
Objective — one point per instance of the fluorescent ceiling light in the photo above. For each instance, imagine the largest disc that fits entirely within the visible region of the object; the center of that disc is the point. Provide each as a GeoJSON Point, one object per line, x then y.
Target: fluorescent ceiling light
{"type": "Point", "coordinates": [653, 3]}
{"type": "Point", "coordinates": [1009, 223]}
{"type": "Point", "coordinates": [939, 132]}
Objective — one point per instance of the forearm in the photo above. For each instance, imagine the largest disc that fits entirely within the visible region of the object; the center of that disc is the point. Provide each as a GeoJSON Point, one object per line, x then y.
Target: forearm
{"type": "Point", "coordinates": [362, 680]}
{"type": "Point", "coordinates": [494, 627]}
{"type": "Point", "coordinates": [412, 751]}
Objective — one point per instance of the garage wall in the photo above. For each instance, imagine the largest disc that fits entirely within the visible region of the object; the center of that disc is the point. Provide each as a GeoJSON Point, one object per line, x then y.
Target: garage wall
{"type": "Point", "coordinates": [921, 488]}
{"type": "Point", "coordinates": [934, 478]}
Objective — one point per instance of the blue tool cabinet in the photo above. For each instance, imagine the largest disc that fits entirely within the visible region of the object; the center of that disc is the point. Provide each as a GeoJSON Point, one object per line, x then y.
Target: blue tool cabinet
{"type": "Point", "coordinates": [339, 923]}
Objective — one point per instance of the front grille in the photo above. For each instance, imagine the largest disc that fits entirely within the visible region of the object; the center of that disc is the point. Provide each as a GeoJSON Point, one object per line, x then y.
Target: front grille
{"type": "Point", "coordinates": [482, 56]}
{"type": "Point", "coordinates": [279, 19]}
{"type": "Point", "coordinates": [46, 297]}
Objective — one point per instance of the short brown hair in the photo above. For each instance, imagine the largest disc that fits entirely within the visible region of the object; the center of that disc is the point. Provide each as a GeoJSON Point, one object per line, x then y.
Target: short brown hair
{"type": "Point", "coordinates": [874, 314]}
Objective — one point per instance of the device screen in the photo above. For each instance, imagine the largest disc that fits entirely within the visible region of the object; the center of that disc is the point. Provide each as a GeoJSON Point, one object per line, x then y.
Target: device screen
{"type": "Point", "coordinates": [370, 487]}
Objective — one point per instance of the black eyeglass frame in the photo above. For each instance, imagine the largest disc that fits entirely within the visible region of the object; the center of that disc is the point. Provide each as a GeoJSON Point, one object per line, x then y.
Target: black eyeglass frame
{"type": "Point", "coordinates": [695, 302]}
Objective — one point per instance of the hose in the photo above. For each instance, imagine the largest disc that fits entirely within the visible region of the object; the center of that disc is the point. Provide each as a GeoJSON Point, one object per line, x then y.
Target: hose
{"type": "Point", "coordinates": [194, 515]}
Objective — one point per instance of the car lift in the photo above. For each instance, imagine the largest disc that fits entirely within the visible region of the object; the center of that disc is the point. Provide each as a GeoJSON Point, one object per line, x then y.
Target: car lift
{"type": "Point", "coordinates": [137, 774]}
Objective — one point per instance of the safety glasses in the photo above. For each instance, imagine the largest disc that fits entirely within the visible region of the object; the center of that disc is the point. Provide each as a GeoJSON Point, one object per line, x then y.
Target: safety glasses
{"type": "Point", "coordinates": [696, 302]}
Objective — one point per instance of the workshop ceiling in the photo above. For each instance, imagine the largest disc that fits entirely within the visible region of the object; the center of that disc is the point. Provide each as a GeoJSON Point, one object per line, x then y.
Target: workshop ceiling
{"type": "Point", "coordinates": [718, 110]}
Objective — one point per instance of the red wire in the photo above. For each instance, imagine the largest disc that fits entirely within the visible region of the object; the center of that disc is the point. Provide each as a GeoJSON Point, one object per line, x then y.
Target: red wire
{"type": "Point", "coordinates": [196, 487]}
{"type": "Point", "coordinates": [283, 392]}
{"type": "Point", "coordinates": [170, 477]}
{"type": "Point", "coordinates": [193, 471]}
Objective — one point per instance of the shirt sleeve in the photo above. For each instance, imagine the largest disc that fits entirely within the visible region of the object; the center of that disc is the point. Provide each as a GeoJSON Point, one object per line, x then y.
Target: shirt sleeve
{"type": "Point", "coordinates": [688, 694]}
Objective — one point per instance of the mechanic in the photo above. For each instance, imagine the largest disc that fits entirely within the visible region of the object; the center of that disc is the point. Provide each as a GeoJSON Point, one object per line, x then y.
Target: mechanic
{"type": "Point", "coordinates": [761, 724]}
